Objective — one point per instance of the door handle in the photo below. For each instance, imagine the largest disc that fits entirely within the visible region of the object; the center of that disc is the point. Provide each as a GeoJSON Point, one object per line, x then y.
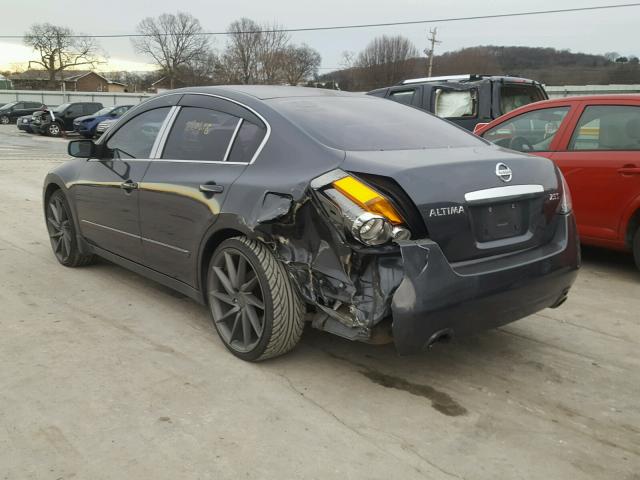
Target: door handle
{"type": "Point", "coordinates": [211, 188]}
{"type": "Point", "coordinates": [629, 170]}
{"type": "Point", "coordinates": [129, 185]}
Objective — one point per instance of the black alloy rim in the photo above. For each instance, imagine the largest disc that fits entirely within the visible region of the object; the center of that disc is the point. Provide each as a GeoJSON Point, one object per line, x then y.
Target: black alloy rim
{"type": "Point", "coordinates": [236, 300]}
{"type": "Point", "coordinates": [59, 226]}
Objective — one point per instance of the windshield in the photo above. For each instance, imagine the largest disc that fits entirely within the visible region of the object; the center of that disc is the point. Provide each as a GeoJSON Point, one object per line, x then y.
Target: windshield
{"type": "Point", "coordinates": [61, 107]}
{"type": "Point", "coordinates": [103, 111]}
{"type": "Point", "coordinates": [369, 123]}
{"type": "Point", "coordinates": [8, 106]}
{"type": "Point", "coordinates": [516, 95]}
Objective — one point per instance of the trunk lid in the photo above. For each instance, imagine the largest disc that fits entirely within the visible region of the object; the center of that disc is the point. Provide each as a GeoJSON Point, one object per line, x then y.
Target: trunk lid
{"type": "Point", "coordinates": [465, 206]}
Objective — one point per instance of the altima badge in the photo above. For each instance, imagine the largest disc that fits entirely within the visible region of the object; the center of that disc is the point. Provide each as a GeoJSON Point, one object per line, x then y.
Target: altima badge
{"type": "Point", "coordinates": [503, 172]}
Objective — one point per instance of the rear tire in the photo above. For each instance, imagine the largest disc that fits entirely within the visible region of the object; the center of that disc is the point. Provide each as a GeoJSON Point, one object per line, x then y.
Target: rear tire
{"type": "Point", "coordinates": [62, 232]}
{"type": "Point", "coordinates": [4, 120]}
{"type": "Point", "coordinates": [636, 247]}
{"type": "Point", "coordinates": [256, 310]}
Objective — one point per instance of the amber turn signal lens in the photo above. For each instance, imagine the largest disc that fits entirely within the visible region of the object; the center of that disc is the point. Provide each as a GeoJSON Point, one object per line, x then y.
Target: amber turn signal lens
{"type": "Point", "coordinates": [369, 199]}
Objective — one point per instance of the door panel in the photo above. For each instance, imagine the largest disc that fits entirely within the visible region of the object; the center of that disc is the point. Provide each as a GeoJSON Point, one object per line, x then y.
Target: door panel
{"type": "Point", "coordinates": [601, 164]}
{"type": "Point", "coordinates": [175, 212]}
{"type": "Point", "coordinates": [107, 191]}
{"type": "Point", "coordinates": [107, 212]}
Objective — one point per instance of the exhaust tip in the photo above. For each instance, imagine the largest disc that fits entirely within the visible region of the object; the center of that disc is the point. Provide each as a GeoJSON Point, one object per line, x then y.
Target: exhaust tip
{"type": "Point", "coordinates": [441, 336]}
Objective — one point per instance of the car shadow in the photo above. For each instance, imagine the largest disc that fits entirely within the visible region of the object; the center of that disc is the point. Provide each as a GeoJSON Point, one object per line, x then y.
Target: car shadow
{"type": "Point", "coordinates": [611, 262]}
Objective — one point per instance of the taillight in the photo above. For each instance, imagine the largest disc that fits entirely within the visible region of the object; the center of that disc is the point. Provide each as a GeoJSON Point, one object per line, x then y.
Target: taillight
{"type": "Point", "coordinates": [367, 215]}
{"type": "Point", "coordinates": [566, 203]}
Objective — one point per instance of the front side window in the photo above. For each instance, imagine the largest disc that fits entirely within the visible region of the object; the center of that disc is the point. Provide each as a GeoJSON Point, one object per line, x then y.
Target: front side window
{"type": "Point", "coordinates": [404, 96]}
{"type": "Point", "coordinates": [529, 132]}
{"type": "Point", "coordinates": [135, 138]}
{"type": "Point", "coordinates": [200, 134]}
{"type": "Point", "coordinates": [455, 103]}
{"type": "Point", "coordinates": [607, 127]}
{"type": "Point", "coordinates": [513, 96]}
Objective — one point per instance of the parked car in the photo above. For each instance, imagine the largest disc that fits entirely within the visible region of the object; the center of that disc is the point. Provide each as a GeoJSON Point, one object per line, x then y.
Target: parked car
{"type": "Point", "coordinates": [24, 123]}
{"type": "Point", "coordinates": [273, 205]}
{"type": "Point", "coordinates": [60, 119]}
{"type": "Point", "coordinates": [465, 99]}
{"type": "Point", "coordinates": [86, 126]}
{"type": "Point", "coordinates": [104, 125]}
{"type": "Point", "coordinates": [595, 140]}
{"type": "Point", "coordinates": [10, 112]}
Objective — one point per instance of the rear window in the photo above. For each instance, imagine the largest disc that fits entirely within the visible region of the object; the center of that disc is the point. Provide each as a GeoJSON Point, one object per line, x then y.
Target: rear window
{"type": "Point", "coordinates": [365, 123]}
{"type": "Point", "coordinates": [516, 95]}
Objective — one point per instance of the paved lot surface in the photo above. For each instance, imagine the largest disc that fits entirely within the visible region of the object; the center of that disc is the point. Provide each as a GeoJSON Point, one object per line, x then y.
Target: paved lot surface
{"type": "Point", "coordinates": [106, 375]}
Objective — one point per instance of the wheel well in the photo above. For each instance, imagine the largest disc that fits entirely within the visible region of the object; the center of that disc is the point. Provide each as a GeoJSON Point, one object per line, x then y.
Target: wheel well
{"type": "Point", "coordinates": [212, 243]}
{"type": "Point", "coordinates": [52, 187]}
{"type": "Point", "coordinates": [634, 224]}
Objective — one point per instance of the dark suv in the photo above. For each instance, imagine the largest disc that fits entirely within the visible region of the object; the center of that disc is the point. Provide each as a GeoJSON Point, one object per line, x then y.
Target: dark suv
{"type": "Point", "coordinates": [60, 119]}
{"type": "Point", "coordinates": [10, 112]}
{"type": "Point", "coordinates": [465, 99]}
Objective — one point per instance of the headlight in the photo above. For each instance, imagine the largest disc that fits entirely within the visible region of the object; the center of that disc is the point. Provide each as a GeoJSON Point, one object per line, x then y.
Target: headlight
{"type": "Point", "coordinates": [566, 203]}
{"type": "Point", "coordinates": [366, 214]}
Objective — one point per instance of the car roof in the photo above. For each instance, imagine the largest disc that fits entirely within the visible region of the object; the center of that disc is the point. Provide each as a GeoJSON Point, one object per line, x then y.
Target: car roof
{"type": "Point", "coordinates": [265, 92]}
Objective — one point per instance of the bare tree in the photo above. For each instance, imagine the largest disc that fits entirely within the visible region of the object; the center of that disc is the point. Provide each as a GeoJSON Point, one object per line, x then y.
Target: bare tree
{"type": "Point", "coordinates": [271, 53]}
{"type": "Point", "coordinates": [300, 63]}
{"type": "Point", "coordinates": [242, 54]}
{"type": "Point", "coordinates": [385, 60]}
{"type": "Point", "coordinates": [172, 41]}
{"type": "Point", "coordinates": [59, 49]}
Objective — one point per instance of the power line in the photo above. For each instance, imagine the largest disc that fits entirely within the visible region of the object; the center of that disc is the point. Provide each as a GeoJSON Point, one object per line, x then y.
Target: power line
{"type": "Point", "coordinates": [372, 25]}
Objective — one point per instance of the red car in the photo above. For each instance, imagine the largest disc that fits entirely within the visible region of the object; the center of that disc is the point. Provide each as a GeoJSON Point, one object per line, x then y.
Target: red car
{"type": "Point", "coordinates": [595, 140]}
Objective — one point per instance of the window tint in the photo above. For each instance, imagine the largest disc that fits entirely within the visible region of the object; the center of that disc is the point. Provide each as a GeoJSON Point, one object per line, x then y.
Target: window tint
{"type": "Point", "coordinates": [513, 96]}
{"type": "Point", "coordinates": [367, 123]}
{"type": "Point", "coordinates": [135, 138]}
{"type": "Point", "coordinates": [200, 134]}
{"type": "Point", "coordinates": [605, 127]}
{"type": "Point", "coordinates": [455, 103]}
{"type": "Point", "coordinates": [404, 96]}
{"type": "Point", "coordinates": [19, 106]}
{"type": "Point", "coordinates": [247, 142]}
{"type": "Point", "coordinates": [530, 132]}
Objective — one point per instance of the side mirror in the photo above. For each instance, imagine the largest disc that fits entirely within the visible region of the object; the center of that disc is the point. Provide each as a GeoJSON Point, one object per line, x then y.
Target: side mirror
{"type": "Point", "coordinates": [478, 127]}
{"type": "Point", "coordinates": [81, 148]}
{"type": "Point", "coordinates": [113, 114]}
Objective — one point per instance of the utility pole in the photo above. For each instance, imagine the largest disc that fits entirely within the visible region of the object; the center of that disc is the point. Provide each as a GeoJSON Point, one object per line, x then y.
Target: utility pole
{"type": "Point", "coordinates": [429, 51]}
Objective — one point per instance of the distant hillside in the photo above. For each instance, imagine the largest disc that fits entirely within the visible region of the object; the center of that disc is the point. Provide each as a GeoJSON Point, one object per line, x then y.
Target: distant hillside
{"type": "Point", "coordinates": [547, 65]}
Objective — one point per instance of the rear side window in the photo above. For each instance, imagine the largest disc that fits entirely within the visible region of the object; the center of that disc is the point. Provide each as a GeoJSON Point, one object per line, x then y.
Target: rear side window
{"type": "Point", "coordinates": [513, 96]}
{"type": "Point", "coordinates": [455, 103]}
{"type": "Point", "coordinates": [136, 137]}
{"type": "Point", "coordinates": [529, 132]}
{"type": "Point", "coordinates": [247, 141]}
{"type": "Point", "coordinates": [200, 134]}
{"type": "Point", "coordinates": [404, 96]}
{"type": "Point", "coordinates": [607, 127]}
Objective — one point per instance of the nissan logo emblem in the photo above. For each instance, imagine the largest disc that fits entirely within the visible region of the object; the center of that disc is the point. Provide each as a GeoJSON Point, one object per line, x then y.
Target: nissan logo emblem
{"type": "Point", "coordinates": [503, 172]}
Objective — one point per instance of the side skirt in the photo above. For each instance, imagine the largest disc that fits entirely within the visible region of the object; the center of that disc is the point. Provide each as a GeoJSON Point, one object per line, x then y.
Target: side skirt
{"type": "Point", "coordinates": [150, 274]}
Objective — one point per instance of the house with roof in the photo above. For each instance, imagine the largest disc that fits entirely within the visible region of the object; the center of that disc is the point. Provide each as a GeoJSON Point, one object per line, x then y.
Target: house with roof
{"type": "Point", "coordinates": [74, 81]}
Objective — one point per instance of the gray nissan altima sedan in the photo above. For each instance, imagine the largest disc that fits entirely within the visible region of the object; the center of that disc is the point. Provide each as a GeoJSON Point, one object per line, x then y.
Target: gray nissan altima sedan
{"type": "Point", "coordinates": [276, 206]}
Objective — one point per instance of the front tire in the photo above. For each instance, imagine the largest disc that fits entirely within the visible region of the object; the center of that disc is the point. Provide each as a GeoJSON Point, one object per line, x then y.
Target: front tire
{"type": "Point", "coordinates": [636, 247]}
{"type": "Point", "coordinates": [4, 120]}
{"type": "Point", "coordinates": [54, 130]}
{"type": "Point", "coordinates": [62, 232]}
{"type": "Point", "coordinates": [256, 310]}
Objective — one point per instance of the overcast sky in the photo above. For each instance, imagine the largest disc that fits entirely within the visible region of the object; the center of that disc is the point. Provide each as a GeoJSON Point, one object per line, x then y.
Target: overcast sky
{"type": "Point", "coordinates": [590, 32]}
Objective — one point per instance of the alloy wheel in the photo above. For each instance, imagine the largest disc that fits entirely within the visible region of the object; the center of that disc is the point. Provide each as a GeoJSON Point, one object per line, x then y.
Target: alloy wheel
{"type": "Point", "coordinates": [60, 228]}
{"type": "Point", "coordinates": [237, 300]}
{"type": "Point", "coordinates": [54, 129]}
{"type": "Point", "coordinates": [4, 120]}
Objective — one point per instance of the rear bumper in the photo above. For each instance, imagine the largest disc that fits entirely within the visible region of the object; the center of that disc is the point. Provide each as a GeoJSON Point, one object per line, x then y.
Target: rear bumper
{"type": "Point", "coordinates": [436, 297]}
